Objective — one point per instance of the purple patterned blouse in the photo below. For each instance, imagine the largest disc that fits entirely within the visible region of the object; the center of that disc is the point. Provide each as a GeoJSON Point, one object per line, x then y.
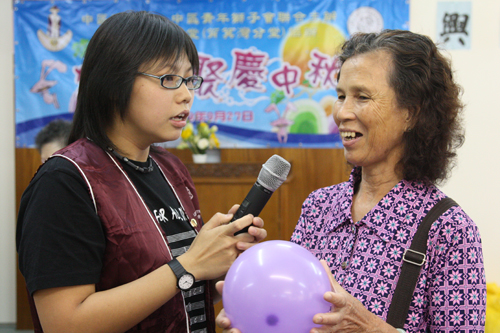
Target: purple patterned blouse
{"type": "Point", "coordinates": [365, 257]}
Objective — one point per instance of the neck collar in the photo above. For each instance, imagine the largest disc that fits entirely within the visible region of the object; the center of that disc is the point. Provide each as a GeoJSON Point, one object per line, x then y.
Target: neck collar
{"type": "Point", "coordinates": [147, 169]}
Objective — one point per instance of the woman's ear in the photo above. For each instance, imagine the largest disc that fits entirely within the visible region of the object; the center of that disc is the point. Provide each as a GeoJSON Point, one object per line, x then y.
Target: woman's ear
{"type": "Point", "coordinates": [408, 124]}
{"type": "Point", "coordinates": [410, 117]}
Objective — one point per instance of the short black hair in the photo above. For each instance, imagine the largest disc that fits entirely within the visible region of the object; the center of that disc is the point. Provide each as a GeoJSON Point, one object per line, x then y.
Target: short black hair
{"type": "Point", "coordinates": [56, 130]}
{"type": "Point", "coordinates": [121, 45]}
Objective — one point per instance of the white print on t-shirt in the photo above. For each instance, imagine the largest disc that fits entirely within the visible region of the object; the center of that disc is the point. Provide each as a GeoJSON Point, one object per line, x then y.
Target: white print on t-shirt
{"type": "Point", "coordinates": [160, 215]}
{"type": "Point", "coordinates": [189, 192]}
{"type": "Point", "coordinates": [176, 214]}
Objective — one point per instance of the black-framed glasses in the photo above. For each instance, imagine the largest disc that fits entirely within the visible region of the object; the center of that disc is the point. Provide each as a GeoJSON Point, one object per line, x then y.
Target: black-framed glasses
{"type": "Point", "coordinates": [172, 81]}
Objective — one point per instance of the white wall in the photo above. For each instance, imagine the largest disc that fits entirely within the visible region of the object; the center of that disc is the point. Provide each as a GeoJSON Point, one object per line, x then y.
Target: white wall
{"type": "Point", "coordinates": [475, 181]}
{"type": "Point", "coordinates": [7, 170]}
{"type": "Point", "coordinates": [473, 184]}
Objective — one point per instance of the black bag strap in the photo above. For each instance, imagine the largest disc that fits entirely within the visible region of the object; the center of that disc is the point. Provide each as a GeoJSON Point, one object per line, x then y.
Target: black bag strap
{"type": "Point", "coordinates": [413, 259]}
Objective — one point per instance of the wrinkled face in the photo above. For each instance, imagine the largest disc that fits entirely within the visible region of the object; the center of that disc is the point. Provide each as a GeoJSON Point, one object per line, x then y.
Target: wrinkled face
{"type": "Point", "coordinates": [156, 114]}
{"type": "Point", "coordinates": [370, 122]}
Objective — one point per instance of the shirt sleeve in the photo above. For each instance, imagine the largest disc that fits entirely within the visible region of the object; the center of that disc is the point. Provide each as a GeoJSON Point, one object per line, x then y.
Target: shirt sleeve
{"type": "Point", "coordinates": [457, 285]}
{"type": "Point", "coordinates": [60, 239]}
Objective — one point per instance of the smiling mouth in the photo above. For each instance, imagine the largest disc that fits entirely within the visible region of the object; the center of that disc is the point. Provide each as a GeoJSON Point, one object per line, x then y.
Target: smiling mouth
{"type": "Point", "coordinates": [350, 135]}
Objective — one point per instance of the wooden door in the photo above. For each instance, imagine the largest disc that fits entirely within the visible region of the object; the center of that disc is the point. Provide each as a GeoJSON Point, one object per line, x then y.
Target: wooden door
{"type": "Point", "coordinates": [27, 162]}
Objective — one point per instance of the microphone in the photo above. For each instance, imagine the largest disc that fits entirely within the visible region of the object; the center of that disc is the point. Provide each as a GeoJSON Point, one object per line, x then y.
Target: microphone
{"type": "Point", "coordinates": [271, 176]}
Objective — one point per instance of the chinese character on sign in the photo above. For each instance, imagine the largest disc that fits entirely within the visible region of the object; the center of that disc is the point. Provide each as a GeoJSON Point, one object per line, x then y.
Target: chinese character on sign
{"type": "Point", "coordinates": [244, 32]}
{"type": "Point", "coordinates": [237, 18]}
{"type": "Point", "coordinates": [258, 33]}
{"type": "Point", "coordinates": [245, 116]}
{"type": "Point", "coordinates": [87, 19]}
{"type": "Point", "coordinates": [314, 16]}
{"type": "Point", "coordinates": [286, 78]}
{"type": "Point", "coordinates": [193, 33]}
{"type": "Point", "coordinates": [222, 17]}
{"type": "Point", "coordinates": [177, 18]}
{"type": "Point", "coordinates": [454, 24]}
{"type": "Point", "coordinates": [283, 17]}
{"type": "Point", "coordinates": [212, 32]}
{"type": "Point", "coordinates": [268, 17]}
{"type": "Point", "coordinates": [249, 70]}
{"type": "Point", "coordinates": [299, 17]}
{"type": "Point", "coordinates": [207, 18]}
{"type": "Point", "coordinates": [330, 16]}
{"type": "Point", "coordinates": [228, 33]}
{"type": "Point", "coordinates": [323, 70]}
{"type": "Point", "coordinates": [192, 18]}
{"type": "Point", "coordinates": [211, 70]}
{"type": "Point", "coordinates": [274, 32]}
{"type": "Point", "coordinates": [253, 17]}
{"type": "Point", "coordinates": [101, 18]}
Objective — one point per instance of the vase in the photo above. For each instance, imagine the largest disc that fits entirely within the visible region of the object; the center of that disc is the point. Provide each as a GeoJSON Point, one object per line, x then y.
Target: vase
{"type": "Point", "coordinates": [200, 158]}
{"type": "Point", "coordinates": [213, 156]}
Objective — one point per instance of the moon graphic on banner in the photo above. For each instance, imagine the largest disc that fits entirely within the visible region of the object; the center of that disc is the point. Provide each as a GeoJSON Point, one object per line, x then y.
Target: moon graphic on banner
{"type": "Point", "coordinates": [302, 39]}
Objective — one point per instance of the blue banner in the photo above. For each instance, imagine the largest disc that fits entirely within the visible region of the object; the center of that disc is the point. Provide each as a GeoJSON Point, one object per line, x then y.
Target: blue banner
{"type": "Point", "coordinates": [269, 67]}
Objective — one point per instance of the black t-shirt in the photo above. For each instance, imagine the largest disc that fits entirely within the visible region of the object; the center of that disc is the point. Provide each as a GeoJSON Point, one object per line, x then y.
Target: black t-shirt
{"type": "Point", "coordinates": [61, 241]}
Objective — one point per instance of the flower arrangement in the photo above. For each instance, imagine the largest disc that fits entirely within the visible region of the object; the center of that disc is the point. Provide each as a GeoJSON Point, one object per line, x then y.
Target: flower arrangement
{"type": "Point", "coordinates": [199, 142]}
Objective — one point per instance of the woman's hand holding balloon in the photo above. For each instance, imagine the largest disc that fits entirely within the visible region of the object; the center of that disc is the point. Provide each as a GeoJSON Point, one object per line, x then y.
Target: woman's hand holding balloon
{"type": "Point", "coordinates": [347, 314]}
{"type": "Point", "coordinates": [222, 320]}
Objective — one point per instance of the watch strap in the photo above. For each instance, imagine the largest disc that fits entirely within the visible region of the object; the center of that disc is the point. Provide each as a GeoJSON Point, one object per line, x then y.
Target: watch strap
{"type": "Point", "coordinates": [177, 268]}
{"type": "Point", "coordinates": [179, 271]}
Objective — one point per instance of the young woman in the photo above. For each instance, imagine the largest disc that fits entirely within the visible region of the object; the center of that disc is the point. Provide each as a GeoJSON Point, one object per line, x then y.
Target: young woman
{"type": "Point", "coordinates": [109, 229]}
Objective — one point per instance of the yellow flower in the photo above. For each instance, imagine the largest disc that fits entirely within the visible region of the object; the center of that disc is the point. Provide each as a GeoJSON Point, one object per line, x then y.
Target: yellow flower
{"type": "Point", "coordinates": [187, 131]}
{"type": "Point", "coordinates": [203, 130]}
{"type": "Point", "coordinates": [214, 140]}
{"type": "Point", "coordinates": [199, 142]}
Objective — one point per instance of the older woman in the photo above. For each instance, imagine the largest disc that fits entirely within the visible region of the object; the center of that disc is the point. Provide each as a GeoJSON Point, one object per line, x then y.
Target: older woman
{"type": "Point", "coordinates": [398, 114]}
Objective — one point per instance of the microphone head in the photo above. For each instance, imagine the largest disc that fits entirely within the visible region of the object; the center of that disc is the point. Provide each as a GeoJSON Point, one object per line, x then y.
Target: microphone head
{"type": "Point", "coordinates": [274, 172]}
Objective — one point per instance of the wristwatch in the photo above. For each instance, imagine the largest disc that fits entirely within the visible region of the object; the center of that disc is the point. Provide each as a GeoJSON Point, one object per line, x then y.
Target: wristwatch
{"type": "Point", "coordinates": [185, 280]}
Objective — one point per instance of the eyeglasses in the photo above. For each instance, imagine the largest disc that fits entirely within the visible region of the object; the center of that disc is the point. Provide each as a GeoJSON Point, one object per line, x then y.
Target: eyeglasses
{"type": "Point", "coordinates": [172, 81]}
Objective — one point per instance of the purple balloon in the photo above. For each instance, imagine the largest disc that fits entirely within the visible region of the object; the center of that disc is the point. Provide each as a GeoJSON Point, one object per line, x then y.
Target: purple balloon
{"type": "Point", "coordinates": [277, 287]}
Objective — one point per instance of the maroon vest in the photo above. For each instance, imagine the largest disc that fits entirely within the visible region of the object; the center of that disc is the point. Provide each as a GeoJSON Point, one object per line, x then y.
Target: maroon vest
{"type": "Point", "coordinates": [135, 243]}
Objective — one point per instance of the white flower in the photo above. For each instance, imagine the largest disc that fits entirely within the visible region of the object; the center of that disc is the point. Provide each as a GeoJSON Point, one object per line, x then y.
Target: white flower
{"type": "Point", "coordinates": [203, 144]}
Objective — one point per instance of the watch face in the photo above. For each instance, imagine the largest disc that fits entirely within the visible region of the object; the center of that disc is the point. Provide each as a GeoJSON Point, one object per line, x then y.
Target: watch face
{"type": "Point", "coordinates": [186, 281]}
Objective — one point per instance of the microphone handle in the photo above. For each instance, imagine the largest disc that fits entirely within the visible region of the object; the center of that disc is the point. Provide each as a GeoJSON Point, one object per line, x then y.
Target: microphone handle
{"type": "Point", "coordinates": [253, 203]}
